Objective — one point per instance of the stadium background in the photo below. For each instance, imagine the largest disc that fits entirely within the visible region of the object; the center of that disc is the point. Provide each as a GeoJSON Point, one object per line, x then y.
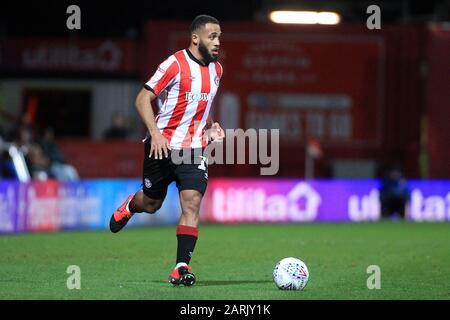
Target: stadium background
{"type": "Point", "coordinates": [355, 101]}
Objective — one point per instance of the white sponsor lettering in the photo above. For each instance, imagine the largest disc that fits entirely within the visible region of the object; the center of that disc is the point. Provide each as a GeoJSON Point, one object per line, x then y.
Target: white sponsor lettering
{"type": "Point", "coordinates": [254, 204]}
{"type": "Point", "coordinates": [190, 96]}
{"type": "Point", "coordinates": [431, 208]}
{"type": "Point", "coordinates": [364, 208]}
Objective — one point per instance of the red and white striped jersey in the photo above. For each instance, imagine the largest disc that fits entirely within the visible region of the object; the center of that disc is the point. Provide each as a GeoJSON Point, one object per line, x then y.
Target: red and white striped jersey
{"type": "Point", "coordinates": [187, 88]}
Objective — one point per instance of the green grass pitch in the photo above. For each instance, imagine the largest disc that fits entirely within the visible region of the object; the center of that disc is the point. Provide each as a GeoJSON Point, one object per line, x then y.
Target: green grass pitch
{"type": "Point", "coordinates": [232, 262]}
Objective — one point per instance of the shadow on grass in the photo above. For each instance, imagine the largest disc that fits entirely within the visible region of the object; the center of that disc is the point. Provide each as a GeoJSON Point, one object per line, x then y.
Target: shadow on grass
{"type": "Point", "coordinates": [202, 283]}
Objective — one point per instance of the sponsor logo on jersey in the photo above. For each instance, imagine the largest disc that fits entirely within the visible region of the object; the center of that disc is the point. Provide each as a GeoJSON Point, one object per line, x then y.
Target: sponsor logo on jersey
{"type": "Point", "coordinates": [199, 96]}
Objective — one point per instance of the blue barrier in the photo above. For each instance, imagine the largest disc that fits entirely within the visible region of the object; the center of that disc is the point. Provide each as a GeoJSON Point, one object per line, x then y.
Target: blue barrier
{"type": "Point", "coordinates": [88, 204]}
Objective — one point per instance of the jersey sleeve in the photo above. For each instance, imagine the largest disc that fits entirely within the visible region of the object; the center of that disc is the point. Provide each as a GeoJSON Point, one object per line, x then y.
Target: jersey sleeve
{"type": "Point", "coordinates": [164, 76]}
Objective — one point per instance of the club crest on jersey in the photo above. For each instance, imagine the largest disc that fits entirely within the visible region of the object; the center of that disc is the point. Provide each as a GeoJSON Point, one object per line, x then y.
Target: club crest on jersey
{"type": "Point", "coordinates": [191, 96]}
{"type": "Point", "coordinates": [217, 80]}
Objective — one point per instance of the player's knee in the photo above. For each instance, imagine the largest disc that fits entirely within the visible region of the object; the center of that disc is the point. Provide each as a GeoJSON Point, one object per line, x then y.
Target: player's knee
{"type": "Point", "coordinates": [151, 206]}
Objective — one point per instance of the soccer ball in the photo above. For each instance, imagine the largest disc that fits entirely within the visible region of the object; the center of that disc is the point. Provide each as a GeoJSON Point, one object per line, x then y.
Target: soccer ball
{"type": "Point", "coordinates": [290, 274]}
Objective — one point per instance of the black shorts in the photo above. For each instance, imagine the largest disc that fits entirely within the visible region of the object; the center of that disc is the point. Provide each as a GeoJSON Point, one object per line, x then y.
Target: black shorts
{"type": "Point", "coordinates": [187, 167]}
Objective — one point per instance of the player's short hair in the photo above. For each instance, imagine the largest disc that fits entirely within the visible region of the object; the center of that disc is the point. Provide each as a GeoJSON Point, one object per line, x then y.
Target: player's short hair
{"type": "Point", "coordinates": [201, 21]}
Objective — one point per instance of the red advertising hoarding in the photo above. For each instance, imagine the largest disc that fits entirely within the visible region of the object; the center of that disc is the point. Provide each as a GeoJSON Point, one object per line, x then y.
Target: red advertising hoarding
{"type": "Point", "coordinates": [438, 104]}
{"type": "Point", "coordinates": [329, 87]}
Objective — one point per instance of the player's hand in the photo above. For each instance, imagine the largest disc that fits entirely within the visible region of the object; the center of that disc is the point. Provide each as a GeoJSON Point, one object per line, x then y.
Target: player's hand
{"type": "Point", "coordinates": [217, 134]}
{"type": "Point", "coordinates": [159, 146]}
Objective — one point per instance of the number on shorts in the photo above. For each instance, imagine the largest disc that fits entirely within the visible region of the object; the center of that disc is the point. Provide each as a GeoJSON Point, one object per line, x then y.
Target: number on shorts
{"type": "Point", "coordinates": [203, 164]}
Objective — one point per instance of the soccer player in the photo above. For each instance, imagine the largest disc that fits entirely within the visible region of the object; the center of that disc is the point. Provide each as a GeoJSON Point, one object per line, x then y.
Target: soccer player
{"type": "Point", "coordinates": [184, 86]}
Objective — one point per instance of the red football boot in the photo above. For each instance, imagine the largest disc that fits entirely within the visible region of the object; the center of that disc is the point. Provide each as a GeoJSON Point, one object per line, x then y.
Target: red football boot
{"type": "Point", "coordinates": [182, 275]}
{"type": "Point", "coordinates": [121, 217]}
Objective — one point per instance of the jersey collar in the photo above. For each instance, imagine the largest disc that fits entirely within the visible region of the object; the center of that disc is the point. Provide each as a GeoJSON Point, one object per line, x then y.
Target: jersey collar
{"type": "Point", "coordinates": [195, 59]}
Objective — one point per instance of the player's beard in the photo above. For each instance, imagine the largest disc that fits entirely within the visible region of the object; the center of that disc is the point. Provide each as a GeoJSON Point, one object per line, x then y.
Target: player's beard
{"type": "Point", "coordinates": [207, 57]}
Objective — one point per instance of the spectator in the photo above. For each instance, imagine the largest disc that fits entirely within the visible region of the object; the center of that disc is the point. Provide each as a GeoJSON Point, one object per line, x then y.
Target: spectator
{"type": "Point", "coordinates": [38, 163]}
{"type": "Point", "coordinates": [23, 132]}
{"type": "Point", "coordinates": [58, 166]}
{"type": "Point", "coordinates": [23, 136]}
{"type": "Point", "coordinates": [6, 166]}
{"type": "Point", "coordinates": [394, 194]}
{"type": "Point", "coordinates": [118, 129]}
